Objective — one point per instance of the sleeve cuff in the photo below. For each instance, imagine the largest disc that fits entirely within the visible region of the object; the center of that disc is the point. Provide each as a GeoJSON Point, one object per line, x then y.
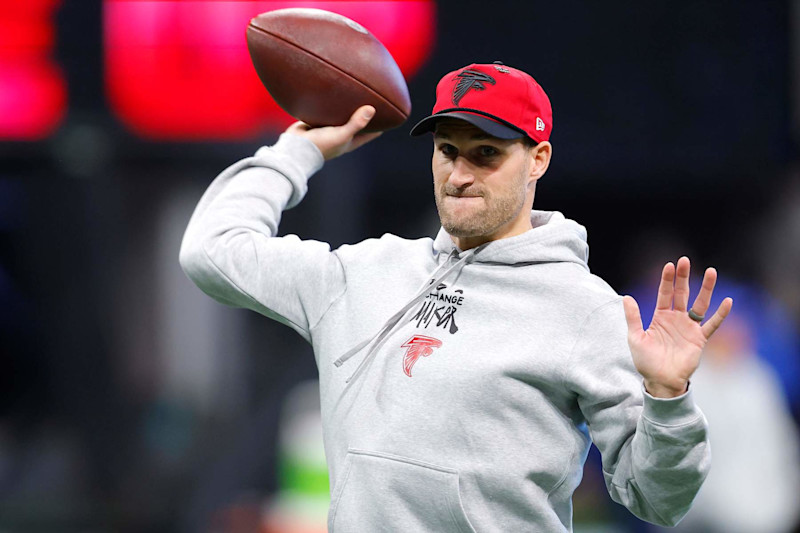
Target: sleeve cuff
{"type": "Point", "coordinates": [677, 411]}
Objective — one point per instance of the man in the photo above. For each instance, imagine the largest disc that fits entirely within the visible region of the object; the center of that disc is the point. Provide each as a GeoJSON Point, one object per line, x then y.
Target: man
{"type": "Point", "coordinates": [490, 354]}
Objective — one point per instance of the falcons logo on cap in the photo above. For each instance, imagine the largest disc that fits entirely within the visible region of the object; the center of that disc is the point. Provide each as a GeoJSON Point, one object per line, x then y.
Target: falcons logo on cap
{"type": "Point", "coordinates": [418, 346]}
{"type": "Point", "coordinates": [470, 79]}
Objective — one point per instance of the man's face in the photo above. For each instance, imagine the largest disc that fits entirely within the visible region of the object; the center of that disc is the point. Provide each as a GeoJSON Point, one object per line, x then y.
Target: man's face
{"type": "Point", "coordinates": [480, 182]}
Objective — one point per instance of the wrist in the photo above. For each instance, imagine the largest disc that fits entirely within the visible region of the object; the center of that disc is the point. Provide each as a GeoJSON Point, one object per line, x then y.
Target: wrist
{"type": "Point", "coordinates": [661, 390]}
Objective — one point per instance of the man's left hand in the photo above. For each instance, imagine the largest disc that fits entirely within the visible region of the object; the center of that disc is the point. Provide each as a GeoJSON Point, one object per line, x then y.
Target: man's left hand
{"type": "Point", "coordinates": [668, 353]}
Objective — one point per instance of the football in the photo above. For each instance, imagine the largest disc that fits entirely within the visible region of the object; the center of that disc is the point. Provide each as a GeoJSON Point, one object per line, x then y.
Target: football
{"type": "Point", "coordinates": [320, 66]}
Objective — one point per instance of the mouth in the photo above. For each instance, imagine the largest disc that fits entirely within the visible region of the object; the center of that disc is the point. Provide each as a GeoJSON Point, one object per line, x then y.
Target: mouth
{"type": "Point", "coordinates": [463, 204]}
{"type": "Point", "coordinates": [464, 195]}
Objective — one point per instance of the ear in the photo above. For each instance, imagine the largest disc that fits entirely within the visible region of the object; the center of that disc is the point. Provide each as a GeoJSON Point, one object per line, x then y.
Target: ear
{"type": "Point", "coordinates": [540, 159]}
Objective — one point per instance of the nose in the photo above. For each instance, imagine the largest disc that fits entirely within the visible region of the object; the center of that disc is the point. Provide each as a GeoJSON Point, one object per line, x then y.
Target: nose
{"type": "Point", "coordinates": [462, 174]}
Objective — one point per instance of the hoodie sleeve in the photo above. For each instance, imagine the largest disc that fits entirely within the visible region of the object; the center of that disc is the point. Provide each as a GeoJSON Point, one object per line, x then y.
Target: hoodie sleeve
{"type": "Point", "coordinates": [230, 249]}
{"type": "Point", "coordinates": [655, 451]}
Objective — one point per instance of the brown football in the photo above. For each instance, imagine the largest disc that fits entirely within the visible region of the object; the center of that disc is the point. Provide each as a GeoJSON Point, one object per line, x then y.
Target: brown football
{"type": "Point", "coordinates": [321, 66]}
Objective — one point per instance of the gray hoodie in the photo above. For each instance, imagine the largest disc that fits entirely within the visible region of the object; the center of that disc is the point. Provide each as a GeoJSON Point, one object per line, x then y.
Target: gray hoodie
{"type": "Point", "coordinates": [460, 390]}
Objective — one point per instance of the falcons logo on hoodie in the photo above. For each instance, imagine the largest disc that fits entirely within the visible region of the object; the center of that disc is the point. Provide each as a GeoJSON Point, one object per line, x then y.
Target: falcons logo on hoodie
{"type": "Point", "coordinates": [418, 346]}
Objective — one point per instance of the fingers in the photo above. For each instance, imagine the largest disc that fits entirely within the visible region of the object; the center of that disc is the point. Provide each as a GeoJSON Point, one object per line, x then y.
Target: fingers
{"type": "Point", "coordinates": [715, 321]}
{"type": "Point", "coordinates": [357, 122]}
{"type": "Point", "coordinates": [681, 296]}
{"type": "Point", "coordinates": [632, 315]}
{"type": "Point", "coordinates": [673, 293]}
{"type": "Point", "coordinates": [333, 141]}
{"type": "Point", "coordinates": [666, 288]}
{"type": "Point", "coordinates": [703, 300]}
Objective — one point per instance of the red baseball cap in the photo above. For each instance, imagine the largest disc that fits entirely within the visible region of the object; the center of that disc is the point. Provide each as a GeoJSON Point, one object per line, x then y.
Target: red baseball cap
{"type": "Point", "coordinates": [502, 101]}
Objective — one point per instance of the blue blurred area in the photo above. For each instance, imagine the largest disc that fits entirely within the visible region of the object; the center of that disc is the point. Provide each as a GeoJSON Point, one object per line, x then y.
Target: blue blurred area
{"type": "Point", "coordinates": [131, 402]}
{"type": "Point", "coordinates": [776, 333]}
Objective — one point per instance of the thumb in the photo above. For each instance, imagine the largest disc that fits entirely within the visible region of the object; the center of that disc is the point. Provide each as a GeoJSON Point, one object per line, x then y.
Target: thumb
{"type": "Point", "coordinates": [360, 118]}
{"type": "Point", "coordinates": [632, 315]}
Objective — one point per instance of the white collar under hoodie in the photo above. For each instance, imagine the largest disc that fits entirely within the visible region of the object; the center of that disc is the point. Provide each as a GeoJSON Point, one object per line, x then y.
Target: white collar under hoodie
{"type": "Point", "coordinates": [459, 389]}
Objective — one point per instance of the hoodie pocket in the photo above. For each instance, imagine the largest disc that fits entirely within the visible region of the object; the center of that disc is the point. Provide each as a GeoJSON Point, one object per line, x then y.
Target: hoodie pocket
{"type": "Point", "coordinates": [384, 492]}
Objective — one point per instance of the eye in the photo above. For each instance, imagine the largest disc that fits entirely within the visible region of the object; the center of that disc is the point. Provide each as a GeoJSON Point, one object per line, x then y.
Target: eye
{"type": "Point", "coordinates": [448, 150]}
{"type": "Point", "coordinates": [488, 151]}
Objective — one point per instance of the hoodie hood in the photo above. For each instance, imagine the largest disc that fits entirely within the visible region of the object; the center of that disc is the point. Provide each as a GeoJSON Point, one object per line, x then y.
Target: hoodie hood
{"type": "Point", "coordinates": [553, 238]}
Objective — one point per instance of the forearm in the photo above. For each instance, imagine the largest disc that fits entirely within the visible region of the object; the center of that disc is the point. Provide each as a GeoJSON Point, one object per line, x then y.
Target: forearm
{"type": "Point", "coordinates": [280, 183]}
{"type": "Point", "coordinates": [217, 250]}
{"type": "Point", "coordinates": [661, 468]}
{"type": "Point", "coordinates": [230, 249]}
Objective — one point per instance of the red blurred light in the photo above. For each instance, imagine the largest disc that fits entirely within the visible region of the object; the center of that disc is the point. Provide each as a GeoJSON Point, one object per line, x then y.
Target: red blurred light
{"type": "Point", "coordinates": [32, 89]}
{"type": "Point", "coordinates": [180, 70]}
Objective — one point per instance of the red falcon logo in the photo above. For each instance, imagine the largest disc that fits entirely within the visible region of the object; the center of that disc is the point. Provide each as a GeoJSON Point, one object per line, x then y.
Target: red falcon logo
{"type": "Point", "coordinates": [418, 345]}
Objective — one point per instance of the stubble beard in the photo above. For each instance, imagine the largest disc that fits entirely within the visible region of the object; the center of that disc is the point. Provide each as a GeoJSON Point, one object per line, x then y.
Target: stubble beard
{"type": "Point", "coordinates": [495, 213]}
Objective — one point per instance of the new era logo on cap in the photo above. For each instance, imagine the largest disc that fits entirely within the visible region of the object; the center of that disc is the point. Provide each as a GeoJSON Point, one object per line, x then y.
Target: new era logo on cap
{"type": "Point", "coordinates": [501, 100]}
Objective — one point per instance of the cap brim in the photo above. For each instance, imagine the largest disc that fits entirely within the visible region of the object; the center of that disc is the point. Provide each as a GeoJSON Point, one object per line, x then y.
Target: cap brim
{"type": "Point", "coordinates": [493, 128]}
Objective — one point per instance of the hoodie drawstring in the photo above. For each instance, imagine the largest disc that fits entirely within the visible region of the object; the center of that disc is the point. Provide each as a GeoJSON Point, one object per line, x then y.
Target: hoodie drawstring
{"type": "Point", "coordinates": [387, 327]}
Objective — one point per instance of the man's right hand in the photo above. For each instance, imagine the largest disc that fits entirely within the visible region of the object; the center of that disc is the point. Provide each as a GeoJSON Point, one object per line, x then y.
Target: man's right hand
{"type": "Point", "coordinates": [334, 141]}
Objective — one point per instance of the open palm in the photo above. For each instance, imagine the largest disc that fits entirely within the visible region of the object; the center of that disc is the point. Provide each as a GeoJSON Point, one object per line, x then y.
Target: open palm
{"type": "Point", "coordinates": [668, 352]}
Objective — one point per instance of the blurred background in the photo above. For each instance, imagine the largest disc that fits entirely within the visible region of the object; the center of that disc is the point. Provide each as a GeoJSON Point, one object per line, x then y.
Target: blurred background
{"type": "Point", "coordinates": [131, 402]}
